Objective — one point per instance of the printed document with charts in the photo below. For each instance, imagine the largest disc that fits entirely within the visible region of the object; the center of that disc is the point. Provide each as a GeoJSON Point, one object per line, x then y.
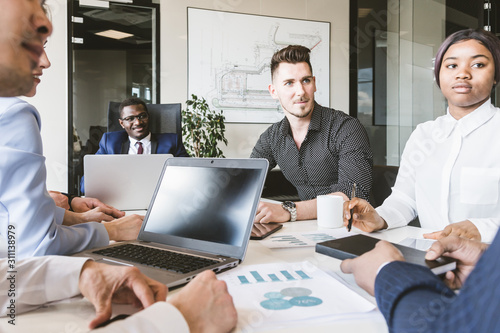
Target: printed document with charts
{"type": "Point", "coordinates": [283, 239]}
{"type": "Point", "coordinates": [283, 294]}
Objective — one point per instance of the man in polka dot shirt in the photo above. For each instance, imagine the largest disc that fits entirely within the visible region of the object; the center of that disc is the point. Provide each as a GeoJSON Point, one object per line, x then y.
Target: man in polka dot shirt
{"type": "Point", "coordinates": [319, 150]}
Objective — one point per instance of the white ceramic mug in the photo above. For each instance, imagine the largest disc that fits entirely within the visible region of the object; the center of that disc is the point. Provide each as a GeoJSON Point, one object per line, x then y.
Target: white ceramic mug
{"type": "Point", "coordinates": [330, 211]}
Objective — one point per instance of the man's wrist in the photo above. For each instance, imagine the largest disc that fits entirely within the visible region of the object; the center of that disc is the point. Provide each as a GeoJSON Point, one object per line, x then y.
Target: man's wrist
{"type": "Point", "coordinates": [111, 230]}
{"type": "Point", "coordinates": [290, 207]}
{"type": "Point", "coordinates": [70, 199]}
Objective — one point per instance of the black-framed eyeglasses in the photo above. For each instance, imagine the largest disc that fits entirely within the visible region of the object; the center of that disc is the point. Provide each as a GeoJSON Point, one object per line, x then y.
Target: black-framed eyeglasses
{"type": "Point", "coordinates": [131, 119]}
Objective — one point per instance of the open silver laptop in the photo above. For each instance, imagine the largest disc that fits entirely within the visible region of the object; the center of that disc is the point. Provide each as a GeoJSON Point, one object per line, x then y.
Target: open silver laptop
{"type": "Point", "coordinates": [201, 207]}
{"type": "Point", "coordinates": [126, 182]}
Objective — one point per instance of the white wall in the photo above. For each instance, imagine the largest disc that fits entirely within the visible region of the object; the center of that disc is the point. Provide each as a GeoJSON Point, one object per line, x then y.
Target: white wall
{"type": "Point", "coordinates": [52, 99]}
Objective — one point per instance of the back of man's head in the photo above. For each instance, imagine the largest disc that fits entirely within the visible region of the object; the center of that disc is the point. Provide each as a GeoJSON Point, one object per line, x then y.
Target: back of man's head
{"type": "Point", "coordinates": [291, 54]}
{"type": "Point", "coordinates": [132, 101]}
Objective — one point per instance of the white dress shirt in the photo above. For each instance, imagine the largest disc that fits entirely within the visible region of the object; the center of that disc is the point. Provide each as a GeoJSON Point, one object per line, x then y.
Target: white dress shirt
{"type": "Point", "coordinates": [450, 172]}
{"type": "Point", "coordinates": [25, 204]}
{"type": "Point", "coordinates": [41, 280]}
{"type": "Point", "coordinates": [146, 145]}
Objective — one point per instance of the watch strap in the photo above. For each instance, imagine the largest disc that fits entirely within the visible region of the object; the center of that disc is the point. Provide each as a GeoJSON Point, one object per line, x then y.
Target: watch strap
{"type": "Point", "coordinates": [291, 208]}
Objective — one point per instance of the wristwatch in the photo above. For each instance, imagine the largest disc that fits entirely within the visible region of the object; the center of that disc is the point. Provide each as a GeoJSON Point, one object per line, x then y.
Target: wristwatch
{"type": "Point", "coordinates": [70, 198]}
{"type": "Point", "coordinates": [291, 208]}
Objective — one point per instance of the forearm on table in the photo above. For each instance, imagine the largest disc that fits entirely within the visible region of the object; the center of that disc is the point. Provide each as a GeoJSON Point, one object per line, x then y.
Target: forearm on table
{"type": "Point", "coordinates": [39, 280]}
{"type": "Point", "coordinates": [306, 210]}
{"type": "Point", "coordinates": [152, 319]}
{"type": "Point", "coordinates": [397, 210]}
{"type": "Point", "coordinates": [72, 218]}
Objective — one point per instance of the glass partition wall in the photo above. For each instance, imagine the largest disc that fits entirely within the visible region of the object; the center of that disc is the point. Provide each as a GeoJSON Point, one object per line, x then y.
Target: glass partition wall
{"type": "Point", "coordinates": [395, 44]}
{"type": "Point", "coordinates": [114, 47]}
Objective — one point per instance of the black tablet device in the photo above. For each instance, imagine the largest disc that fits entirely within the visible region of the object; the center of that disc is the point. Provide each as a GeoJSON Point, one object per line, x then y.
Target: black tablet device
{"type": "Point", "coordinates": [353, 246]}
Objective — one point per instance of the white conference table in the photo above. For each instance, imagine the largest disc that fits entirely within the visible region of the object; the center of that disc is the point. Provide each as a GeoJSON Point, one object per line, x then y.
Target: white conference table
{"type": "Point", "coordinates": [74, 315]}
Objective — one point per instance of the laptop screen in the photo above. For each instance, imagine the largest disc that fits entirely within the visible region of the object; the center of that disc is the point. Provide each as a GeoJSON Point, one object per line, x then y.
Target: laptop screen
{"type": "Point", "coordinates": [212, 203]}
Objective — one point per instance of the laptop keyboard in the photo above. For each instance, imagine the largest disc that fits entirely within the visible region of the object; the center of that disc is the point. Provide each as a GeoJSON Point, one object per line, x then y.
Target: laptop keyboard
{"type": "Point", "coordinates": [157, 258]}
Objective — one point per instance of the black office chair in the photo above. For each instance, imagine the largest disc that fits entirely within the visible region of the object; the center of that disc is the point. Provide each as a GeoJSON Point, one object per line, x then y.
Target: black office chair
{"type": "Point", "coordinates": [163, 118]}
{"type": "Point", "coordinates": [384, 177]}
{"type": "Point", "coordinates": [277, 187]}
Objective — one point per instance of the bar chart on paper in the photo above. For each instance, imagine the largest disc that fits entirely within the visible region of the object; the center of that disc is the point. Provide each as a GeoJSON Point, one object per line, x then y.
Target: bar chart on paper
{"type": "Point", "coordinates": [283, 275]}
{"type": "Point", "coordinates": [296, 239]}
{"type": "Point", "coordinates": [295, 290]}
{"type": "Point", "coordinates": [282, 298]}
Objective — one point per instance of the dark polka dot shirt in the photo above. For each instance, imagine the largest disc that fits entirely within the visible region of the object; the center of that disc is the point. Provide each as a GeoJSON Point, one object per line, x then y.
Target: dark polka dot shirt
{"type": "Point", "coordinates": [334, 154]}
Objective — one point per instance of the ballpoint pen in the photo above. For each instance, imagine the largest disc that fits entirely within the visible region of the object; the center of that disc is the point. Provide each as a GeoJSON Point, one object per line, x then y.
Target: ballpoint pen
{"type": "Point", "coordinates": [353, 194]}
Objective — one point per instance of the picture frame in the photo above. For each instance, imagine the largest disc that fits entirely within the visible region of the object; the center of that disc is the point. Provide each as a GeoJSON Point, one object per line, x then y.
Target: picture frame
{"type": "Point", "coordinates": [229, 57]}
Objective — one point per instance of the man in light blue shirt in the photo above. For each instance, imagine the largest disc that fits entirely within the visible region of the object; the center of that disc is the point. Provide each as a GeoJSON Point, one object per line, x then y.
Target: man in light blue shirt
{"type": "Point", "coordinates": [44, 279]}
{"type": "Point", "coordinates": [30, 223]}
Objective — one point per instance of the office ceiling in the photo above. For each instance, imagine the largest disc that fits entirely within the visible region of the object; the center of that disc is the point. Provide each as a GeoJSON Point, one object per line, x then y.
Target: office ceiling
{"type": "Point", "coordinates": [133, 20]}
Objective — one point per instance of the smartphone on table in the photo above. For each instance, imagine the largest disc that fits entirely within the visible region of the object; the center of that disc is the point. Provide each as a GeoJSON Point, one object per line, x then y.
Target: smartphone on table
{"type": "Point", "coordinates": [262, 230]}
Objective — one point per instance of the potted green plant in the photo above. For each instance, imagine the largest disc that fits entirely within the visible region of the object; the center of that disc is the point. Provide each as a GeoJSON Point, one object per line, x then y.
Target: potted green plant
{"type": "Point", "coordinates": [202, 128]}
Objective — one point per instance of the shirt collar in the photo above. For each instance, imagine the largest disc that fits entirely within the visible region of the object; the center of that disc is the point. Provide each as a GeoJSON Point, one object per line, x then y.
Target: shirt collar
{"type": "Point", "coordinates": [314, 125]}
{"type": "Point", "coordinates": [470, 122]}
{"type": "Point", "coordinates": [144, 141]}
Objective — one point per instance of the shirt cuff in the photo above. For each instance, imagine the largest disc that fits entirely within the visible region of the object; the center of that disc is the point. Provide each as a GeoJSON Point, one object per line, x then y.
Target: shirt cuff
{"type": "Point", "coordinates": [385, 214]}
{"type": "Point", "coordinates": [155, 318]}
{"type": "Point", "coordinates": [487, 228]}
{"type": "Point", "coordinates": [382, 266]}
{"type": "Point", "coordinates": [59, 215]}
{"type": "Point", "coordinates": [72, 267]}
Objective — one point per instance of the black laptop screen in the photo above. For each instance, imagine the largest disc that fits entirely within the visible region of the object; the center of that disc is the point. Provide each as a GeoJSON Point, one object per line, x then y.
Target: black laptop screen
{"type": "Point", "coordinates": [208, 204]}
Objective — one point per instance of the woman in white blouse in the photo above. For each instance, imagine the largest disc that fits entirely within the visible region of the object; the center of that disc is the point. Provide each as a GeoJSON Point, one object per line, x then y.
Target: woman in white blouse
{"type": "Point", "coordinates": [450, 169]}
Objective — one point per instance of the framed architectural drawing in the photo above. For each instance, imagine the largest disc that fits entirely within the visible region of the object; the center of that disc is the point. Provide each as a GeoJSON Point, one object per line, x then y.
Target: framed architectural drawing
{"type": "Point", "coordinates": [229, 56]}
